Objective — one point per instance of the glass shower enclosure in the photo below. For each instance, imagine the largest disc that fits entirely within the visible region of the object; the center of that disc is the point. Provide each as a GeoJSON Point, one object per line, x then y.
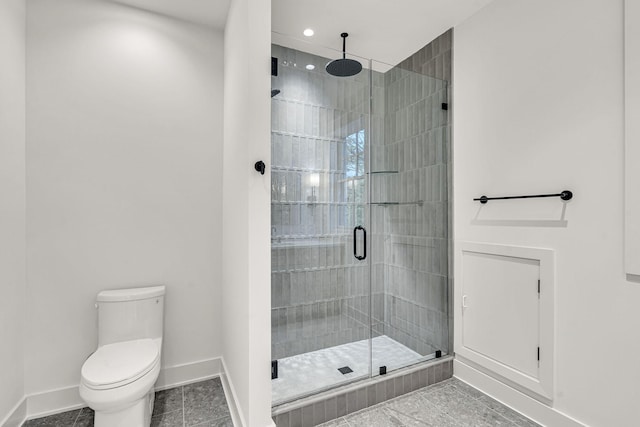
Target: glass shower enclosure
{"type": "Point", "coordinates": [359, 222]}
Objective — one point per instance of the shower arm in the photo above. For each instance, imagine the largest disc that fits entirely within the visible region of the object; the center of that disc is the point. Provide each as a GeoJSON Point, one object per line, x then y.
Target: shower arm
{"type": "Point", "coordinates": [344, 45]}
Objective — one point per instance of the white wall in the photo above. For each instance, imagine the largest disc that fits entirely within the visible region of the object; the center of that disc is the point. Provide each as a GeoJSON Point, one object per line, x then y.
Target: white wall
{"type": "Point", "coordinates": [12, 203]}
{"type": "Point", "coordinates": [124, 147]}
{"type": "Point", "coordinates": [538, 108]}
{"type": "Point", "coordinates": [246, 215]}
{"type": "Point", "coordinates": [632, 136]}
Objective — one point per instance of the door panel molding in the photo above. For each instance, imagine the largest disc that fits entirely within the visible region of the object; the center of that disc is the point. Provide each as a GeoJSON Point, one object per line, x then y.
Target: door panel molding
{"type": "Point", "coordinates": [510, 318]}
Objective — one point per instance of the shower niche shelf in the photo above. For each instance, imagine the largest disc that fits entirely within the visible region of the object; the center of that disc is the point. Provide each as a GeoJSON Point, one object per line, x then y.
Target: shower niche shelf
{"type": "Point", "coordinates": [417, 203]}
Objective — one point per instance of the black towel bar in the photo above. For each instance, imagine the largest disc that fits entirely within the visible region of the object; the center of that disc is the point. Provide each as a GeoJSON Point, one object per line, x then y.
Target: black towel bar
{"type": "Point", "coordinates": [565, 195]}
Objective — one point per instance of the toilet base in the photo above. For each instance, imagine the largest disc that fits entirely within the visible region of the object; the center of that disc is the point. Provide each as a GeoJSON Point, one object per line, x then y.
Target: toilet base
{"type": "Point", "coordinates": [136, 415]}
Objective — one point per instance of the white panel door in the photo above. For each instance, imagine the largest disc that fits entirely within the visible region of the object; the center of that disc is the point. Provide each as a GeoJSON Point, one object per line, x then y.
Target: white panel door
{"type": "Point", "coordinates": [501, 313]}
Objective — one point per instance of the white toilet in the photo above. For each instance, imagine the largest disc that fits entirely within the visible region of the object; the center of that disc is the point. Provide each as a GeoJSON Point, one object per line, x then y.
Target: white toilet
{"type": "Point", "coordinates": [118, 379]}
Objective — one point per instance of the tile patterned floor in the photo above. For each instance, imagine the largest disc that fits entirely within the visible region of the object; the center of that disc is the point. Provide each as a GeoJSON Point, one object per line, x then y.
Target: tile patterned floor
{"type": "Point", "coordinates": [318, 370]}
{"type": "Point", "coordinates": [450, 403]}
{"type": "Point", "coordinates": [201, 404]}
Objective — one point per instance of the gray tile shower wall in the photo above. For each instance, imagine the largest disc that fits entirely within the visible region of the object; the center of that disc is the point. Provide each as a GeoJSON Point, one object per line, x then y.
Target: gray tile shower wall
{"type": "Point", "coordinates": [319, 292]}
{"type": "Point", "coordinates": [434, 59]}
{"type": "Point", "coordinates": [417, 231]}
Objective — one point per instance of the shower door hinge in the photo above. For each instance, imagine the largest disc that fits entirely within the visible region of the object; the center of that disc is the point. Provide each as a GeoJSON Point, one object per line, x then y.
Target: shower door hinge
{"type": "Point", "coordinates": [445, 106]}
{"type": "Point", "coordinates": [274, 66]}
{"type": "Point", "coordinates": [538, 354]}
{"type": "Point", "coordinates": [383, 370]}
{"type": "Point", "coordinates": [438, 354]}
{"type": "Point", "coordinates": [274, 369]}
{"type": "Point", "coordinates": [538, 287]}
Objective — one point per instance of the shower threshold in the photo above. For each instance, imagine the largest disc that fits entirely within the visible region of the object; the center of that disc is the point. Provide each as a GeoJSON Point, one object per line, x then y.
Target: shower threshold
{"type": "Point", "coordinates": [306, 374]}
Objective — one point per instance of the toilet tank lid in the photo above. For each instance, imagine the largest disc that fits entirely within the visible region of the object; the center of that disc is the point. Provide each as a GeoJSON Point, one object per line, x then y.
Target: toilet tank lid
{"type": "Point", "coordinates": [130, 294]}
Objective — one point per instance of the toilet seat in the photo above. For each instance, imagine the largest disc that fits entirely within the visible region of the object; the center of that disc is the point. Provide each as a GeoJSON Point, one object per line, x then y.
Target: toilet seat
{"type": "Point", "coordinates": [118, 364]}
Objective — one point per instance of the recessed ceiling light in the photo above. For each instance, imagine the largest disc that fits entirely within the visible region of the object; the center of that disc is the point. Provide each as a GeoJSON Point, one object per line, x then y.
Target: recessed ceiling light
{"type": "Point", "coordinates": [310, 67]}
{"type": "Point", "coordinates": [308, 32]}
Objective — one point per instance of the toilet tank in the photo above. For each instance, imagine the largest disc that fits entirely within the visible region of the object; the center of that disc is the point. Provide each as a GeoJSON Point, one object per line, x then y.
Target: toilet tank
{"type": "Point", "coordinates": [130, 314]}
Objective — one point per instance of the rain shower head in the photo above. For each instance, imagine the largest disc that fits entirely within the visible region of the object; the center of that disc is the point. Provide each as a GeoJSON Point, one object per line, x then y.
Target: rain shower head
{"type": "Point", "coordinates": [344, 67]}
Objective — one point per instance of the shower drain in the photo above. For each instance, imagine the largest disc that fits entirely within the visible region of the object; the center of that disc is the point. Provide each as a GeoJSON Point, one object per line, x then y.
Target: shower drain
{"type": "Point", "coordinates": [345, 370]}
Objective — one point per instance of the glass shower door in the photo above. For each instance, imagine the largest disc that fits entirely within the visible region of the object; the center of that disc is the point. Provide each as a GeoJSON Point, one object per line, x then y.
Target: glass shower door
{"type": "Point", "coordinates": [319, 215]}
{"type": "Point", "coordinates": [409, 216]}
{"type": "Point", "coordinates": [360, 231]}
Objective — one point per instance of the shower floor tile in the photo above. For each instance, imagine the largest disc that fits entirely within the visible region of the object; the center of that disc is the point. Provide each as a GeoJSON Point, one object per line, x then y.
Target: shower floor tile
{"type": "Point", "coordinates": [318, 370]}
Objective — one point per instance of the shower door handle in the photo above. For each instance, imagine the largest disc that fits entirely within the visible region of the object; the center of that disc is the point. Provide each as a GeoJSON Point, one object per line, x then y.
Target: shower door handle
{"type": "Point", "coordinates": [355, 243]}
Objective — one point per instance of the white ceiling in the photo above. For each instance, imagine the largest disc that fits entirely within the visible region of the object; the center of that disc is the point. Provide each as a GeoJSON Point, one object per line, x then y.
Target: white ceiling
{"type": "Point", "coordinates": [212, 13]}
{"type": "Point", "coordinates": [385, 30]}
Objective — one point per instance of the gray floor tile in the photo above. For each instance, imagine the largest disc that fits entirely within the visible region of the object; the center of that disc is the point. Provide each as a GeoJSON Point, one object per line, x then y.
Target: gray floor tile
{"type": "Point", "coordinates": [376, 417]}
{"type": "Point", "coordinates": [463, 407]}
{"type": "Point", "coordinates": [340, 422]}
{"type": "Point", "coordinates": [65, 419]}
{"type": "Point", "coordinates": [439, 420]}
{"type": "Point", "coordinates": [204, 405]}
{"type": "Point", "coordinates": [476, 414]}
{"type": "Point", "coordinates": [517, 418]}
{"type": "Point", "coordinates": [86, 411]}
{"type": "Point", "coordinates": [522, 421]}
{"type": "Point", "coordinates": [167, 401]}
{"type": "Point", "coordinates": [466, 388]}
{"type": "Point", "coordinates": [85, 418]}
{"type": "Point", "coordinates": [168, 419]}
{"type": "Point", "coordinates": [204, 401]}
{"type": "Point", "coordinates": [446, 397]}
{"type": "Point", "coordinates": [449, 404]}
{"type": "Point", "coordinates": [84, 422]}
{"type": "Point", "coordinates": [221, 422]}
{"type": "Point", "coordinates": [437, 386]}
{"type": "Point", "coordinates": [415, 410]}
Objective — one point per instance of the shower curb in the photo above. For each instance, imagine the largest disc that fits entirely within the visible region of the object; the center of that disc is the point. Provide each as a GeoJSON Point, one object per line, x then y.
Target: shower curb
{"type": "Point", "coordinates": [351, 398]}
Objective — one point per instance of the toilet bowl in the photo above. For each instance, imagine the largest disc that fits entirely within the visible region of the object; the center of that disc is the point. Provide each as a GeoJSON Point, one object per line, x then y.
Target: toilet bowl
{"type": "Point", "coordinates": [117, 380]}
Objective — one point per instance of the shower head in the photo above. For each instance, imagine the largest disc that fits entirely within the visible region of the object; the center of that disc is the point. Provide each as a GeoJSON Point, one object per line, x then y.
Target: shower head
{"type": "Point", "coordinates": [344, 67]}
{"type": "Point", "coordinates": [274, 92]}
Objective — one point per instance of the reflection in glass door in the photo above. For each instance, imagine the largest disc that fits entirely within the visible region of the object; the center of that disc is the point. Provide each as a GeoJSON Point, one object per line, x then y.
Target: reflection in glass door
{"type": "Point", "coordinates": [319, 210]}
{"type": "Point", "coordinates": [409, 212]}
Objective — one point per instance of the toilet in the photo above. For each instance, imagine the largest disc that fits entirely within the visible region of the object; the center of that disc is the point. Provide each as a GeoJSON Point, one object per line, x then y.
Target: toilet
{"type": "Point", "coordinates": [117, 380]}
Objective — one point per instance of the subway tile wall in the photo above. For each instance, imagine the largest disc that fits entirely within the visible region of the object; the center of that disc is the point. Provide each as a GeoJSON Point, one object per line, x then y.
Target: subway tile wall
{"type": "Point", "coordinates": [417, 136]}
{"type": "Point", "coordinates": [320, 293]}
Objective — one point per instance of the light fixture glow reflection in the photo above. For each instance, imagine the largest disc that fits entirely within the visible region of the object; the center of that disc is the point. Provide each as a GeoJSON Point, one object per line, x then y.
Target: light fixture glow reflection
{"type": "Point", "coordinates": [308, 32]}
{"type": "Point", "coordinates": [310, 67]}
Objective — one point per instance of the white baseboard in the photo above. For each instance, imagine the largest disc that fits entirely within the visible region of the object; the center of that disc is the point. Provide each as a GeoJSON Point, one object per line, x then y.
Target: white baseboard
{"type": "Point", "coordinates": [175, 376]}
{"type": "Point", "coordinates": [17, 415]}
{"type": "Point", "coordinates": [67, 399]}
{"type": "Point", "coordinates": [232, 400]}
{"type": "Point", "coordinates": [519, 402]}
{"type": "Point", "coordinates": [53, 402]}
